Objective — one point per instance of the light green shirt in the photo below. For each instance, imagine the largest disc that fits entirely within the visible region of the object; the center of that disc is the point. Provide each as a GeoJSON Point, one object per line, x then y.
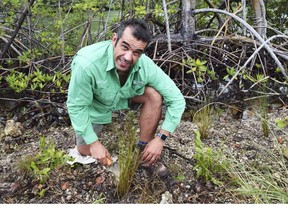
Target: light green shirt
{"type": "Point", "coordinates": [95, 91]}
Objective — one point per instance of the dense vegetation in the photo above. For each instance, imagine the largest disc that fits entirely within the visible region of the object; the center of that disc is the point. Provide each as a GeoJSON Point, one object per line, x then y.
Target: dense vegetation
{"type": "Point", "coordinates": [214, 43]}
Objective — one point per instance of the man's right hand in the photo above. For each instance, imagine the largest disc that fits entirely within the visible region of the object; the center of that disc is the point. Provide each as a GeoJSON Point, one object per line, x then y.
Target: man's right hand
{"type": "Point", "coordinates": [100, 153]}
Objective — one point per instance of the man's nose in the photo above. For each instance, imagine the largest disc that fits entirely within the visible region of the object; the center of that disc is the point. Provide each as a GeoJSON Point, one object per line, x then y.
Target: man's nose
{"type": "Point", "coordinates": [128, 56]}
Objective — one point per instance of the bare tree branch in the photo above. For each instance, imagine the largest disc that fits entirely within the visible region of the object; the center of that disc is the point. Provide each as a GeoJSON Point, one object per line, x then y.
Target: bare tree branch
{"type": "Point", "coordinates": [18, 26]}
{"type": "Point", "coordinates": [253, 31]}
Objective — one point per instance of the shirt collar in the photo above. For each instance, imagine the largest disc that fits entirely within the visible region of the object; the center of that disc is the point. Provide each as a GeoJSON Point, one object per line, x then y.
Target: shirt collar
{"type": "Point", "coordinates": [111, 64]}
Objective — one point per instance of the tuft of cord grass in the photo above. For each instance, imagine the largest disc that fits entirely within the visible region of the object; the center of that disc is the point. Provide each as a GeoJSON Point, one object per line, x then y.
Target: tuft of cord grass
{"type": "Point", "coordinates": [203, 119]}
{"type": "Point", "coordinates": [264, 182]}
{"type": "Point", "coordinates": [128, 158]}
{"type": "Point", "coordinates": [263, 102]}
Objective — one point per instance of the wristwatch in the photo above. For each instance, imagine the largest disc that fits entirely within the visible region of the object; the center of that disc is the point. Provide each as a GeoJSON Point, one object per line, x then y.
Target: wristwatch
{"type": "Point", "coordinates": [162, 136]}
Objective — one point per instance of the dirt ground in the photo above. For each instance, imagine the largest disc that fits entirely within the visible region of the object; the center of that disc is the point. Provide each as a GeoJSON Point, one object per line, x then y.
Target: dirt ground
{"type": "Point", "coordinates": [93, 183]}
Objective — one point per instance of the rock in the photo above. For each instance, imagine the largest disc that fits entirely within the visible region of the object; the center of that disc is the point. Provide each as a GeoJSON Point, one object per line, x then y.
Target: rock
{"type": "Point", "coordinates": [12, 128]}
{"type": "Point", "coordinates": [166, 198]}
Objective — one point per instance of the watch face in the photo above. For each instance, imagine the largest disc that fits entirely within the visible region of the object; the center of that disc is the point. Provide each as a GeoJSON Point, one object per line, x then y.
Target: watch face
{"type": "Point", "coordinates": [162, 136]}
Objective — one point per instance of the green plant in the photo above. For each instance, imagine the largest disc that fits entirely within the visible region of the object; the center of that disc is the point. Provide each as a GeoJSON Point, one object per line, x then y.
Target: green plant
{"type": "Point", "coordinates": [100, 200]}
{"type": "Point", "coordinates": [199, 68]}
{"type": "Point", "coordinates": [46, 160]}
{"type": "Point", "coordinates": [17, 81]}
{"type": "Point", "coordinates": [230, 73]}
{"type": "Point", "coordinates": [128, 158]}
{"type": "Point", "coordinates": [60, 80]}
{"type": "Point", "coordinates": [203, 118]}
{"type": "Point", "coordinates": [180, 178]}
{"type": "Point", "coordinates": [263, 102]}
{"type": "Point", "coordinates": [209, 163]}
{"type": "Point", "coordinates": [29, 56]}
{"type": "Point", "coordinates": [282, 122]}
{"type": "Point", "coordinates": [37, 80]}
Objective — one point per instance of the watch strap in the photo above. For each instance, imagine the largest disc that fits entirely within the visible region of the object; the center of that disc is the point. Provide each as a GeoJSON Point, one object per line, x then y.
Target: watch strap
{"type": "Point", "coordinates": [162, 136]}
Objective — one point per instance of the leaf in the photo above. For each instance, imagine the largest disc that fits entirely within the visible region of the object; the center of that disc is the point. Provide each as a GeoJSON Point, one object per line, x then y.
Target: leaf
{"type": "Point", "coordinates": [64, 185]}
{"type": "Point", "coordinates": [180, 178]}
{"type": "Point", "coordinates": [99, 180]}
{"type": "Point", "coordinates": [281, 123]}
{"type": "Point", "coordinates": [285, 152]}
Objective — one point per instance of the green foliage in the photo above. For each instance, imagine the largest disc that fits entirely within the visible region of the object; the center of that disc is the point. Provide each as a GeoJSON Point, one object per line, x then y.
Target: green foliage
{"type": "Point", "coordinates": [209, 163]}
{"type": "Point", "coordinates": [37, 80]}
{"type": "Point", "coordinates": [128, 158]}
{"type": "Point", "coordinates": [44, 162]}
{"type": "Point", "coordinates": [180, 178]}
{"type": "Point", "coordinates": [158, 12]}
{"type": "Point", "coordinates": [282, 122]}
{"type": "Point", "coordinates": [140, 11]}
{"type": "Point", "coordinates": [100, 200]}
{"type": "Point", "coordinates": [277, 14]}
{"type": "Point", "coordinates": [29, 56]}
{"type": "Point", "coordinates": [230, 73]}
{"type": "Point", "coordinates": [17, 81]}
{"type": "Point", "coordinates": [199, 68]}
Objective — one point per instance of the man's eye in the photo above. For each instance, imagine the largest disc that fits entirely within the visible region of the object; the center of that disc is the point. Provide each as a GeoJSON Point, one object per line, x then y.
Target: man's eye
{"type": "Point", "coordinates": [124, 47]}
{"type": "Point", "coordinates": [137, 53]}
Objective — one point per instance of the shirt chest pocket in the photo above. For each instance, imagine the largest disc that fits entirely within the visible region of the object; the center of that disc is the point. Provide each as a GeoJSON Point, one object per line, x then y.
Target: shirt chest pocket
{"type": "Point", "coordinates": [138, 86]}
{"type": "Point", "coordinates": [133, 90]}
{"type": "Point", "coordinates": [104, 94]}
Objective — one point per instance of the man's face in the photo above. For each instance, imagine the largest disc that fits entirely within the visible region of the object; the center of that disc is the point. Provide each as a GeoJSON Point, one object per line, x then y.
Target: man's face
{"type": "Point", "coordinates": [127, 50]}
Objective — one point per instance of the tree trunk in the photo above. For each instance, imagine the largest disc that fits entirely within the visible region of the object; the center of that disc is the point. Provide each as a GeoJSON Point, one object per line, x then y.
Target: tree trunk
{"type": "Point", "coordinates": [260, 17]}
{"type": "Point", "coordinates": [188, 22]}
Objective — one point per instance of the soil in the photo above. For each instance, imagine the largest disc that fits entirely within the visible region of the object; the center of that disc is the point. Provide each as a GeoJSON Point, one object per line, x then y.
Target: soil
{"type": "Point", "coordinates": [93, 183]}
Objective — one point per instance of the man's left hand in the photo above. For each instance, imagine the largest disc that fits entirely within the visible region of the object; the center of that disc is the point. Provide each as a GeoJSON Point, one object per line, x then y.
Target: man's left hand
{"type": "Point", "coordinates": [152, 151]}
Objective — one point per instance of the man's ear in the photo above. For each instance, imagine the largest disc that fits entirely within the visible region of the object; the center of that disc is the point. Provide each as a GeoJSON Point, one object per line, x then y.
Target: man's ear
{"type": "Point", "coordinates": [114, 38]}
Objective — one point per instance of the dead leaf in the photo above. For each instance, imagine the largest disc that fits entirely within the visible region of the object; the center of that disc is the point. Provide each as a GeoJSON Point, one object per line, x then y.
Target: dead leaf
{"type": "Point", "coordinates": [280, 140]}
{"type": "Point", "coordinates": [108, 161]}
{"type": "Point", "coordinates": [99, 180]}
{"type": "Point", "coordinates": [64, 185]}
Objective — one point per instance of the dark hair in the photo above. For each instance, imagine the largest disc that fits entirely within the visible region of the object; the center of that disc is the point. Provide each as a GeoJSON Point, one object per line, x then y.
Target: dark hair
{"type": "Point", "coordinates": [139, 29]}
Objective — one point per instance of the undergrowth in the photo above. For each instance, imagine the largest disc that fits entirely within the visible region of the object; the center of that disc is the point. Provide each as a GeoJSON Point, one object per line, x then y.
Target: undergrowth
{"type": "Point", "coordinates": [210, 164]}
{"type": "Point", "coordinates": [41, 164]}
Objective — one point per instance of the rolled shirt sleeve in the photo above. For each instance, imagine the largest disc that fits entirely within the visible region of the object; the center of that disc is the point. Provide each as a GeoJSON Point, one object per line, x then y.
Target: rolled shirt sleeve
{"type": "Point", "coordinates": [172, 96]}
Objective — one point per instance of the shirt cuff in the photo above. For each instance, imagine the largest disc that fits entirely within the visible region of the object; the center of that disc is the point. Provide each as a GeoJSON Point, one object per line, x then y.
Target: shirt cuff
{"type": "Point", "coordinates": [90, 136]}
{"type": "Point", "coordinates": [170, 127]}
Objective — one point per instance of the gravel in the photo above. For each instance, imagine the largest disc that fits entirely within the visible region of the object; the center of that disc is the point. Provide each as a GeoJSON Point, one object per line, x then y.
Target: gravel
{"type": "Point", "coordinates": [92, 183]}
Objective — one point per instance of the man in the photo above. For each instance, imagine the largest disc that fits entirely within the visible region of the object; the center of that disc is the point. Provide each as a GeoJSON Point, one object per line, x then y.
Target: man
{"type": "Point", "coordinates": [110, 75]}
